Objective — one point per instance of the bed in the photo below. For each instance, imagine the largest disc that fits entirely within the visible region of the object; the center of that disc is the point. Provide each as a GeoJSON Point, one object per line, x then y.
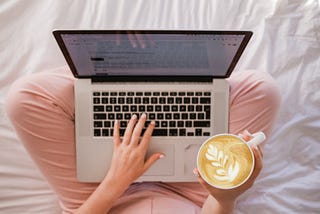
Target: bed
{"type": "Point", "coordinates": [286, 43]}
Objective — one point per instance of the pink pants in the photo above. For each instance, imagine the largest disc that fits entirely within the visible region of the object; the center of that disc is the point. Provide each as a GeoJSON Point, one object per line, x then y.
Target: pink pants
{"type": "Point", "coordinates": [41, 108]}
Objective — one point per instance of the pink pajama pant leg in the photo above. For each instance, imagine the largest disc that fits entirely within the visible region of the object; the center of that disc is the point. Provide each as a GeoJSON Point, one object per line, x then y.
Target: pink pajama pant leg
{"type": "Point", "coordinates": [41, 109]}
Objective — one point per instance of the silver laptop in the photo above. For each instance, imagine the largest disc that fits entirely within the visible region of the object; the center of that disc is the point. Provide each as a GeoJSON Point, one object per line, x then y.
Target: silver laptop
{"type": "Point", "coordinates": [176, 77]}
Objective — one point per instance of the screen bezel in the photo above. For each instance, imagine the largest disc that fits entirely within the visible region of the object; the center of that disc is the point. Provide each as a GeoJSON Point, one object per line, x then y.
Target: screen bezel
{"type": "Point", "coordinates": [58, 36]}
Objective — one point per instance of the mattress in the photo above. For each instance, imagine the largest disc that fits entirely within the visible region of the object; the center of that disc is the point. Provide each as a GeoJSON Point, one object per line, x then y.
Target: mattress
{"type": "Point", "coordinates": [286, 43]}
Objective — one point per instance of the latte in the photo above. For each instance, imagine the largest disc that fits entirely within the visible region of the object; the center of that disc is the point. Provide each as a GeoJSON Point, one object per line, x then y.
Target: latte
{"type": "Point", "coordinates": [225, 161]}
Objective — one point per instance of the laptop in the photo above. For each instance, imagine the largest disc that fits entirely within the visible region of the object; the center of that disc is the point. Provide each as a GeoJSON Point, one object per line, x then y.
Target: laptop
{"type": "Point", "coordinates": [176, 77]}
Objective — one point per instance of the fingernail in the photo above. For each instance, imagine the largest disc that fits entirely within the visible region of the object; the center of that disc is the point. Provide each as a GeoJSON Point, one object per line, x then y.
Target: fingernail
{"type": "Point", "coordinates": [241, 136]}
{"type": "Point", "coordinates": [161, 156]}
{"type": "Point", "coordinates": [247, 133]}
{"type": "Point", "coordinates": [134, 116]}
{"type": "Point", "coordinates": [153, 122]}
{"type": "Point", "coordinates": [143, 115]}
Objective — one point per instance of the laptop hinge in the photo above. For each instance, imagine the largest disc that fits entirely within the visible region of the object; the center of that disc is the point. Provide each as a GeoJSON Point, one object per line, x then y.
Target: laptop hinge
{"type": "Point", "coordinates": [151, 79]}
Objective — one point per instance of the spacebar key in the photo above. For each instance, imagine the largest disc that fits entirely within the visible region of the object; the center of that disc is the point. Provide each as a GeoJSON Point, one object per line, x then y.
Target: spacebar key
{"type": "Point", "coordinates": [160, 132]}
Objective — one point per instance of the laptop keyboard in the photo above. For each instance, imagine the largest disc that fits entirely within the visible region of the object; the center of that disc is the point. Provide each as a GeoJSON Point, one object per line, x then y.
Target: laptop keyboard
{"type": "Point", "coordinates": [184, 113]}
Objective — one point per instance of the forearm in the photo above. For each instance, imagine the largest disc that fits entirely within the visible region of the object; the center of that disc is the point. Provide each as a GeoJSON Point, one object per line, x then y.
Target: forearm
{"type": "Point", "coordinates": [211, 205]}
{"type": "Point", "coordinates": [103, 198]}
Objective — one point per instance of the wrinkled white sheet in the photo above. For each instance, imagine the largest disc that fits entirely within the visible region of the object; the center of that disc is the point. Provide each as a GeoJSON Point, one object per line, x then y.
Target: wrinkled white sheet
{"type": "Point", "coordinates": [286, 43]}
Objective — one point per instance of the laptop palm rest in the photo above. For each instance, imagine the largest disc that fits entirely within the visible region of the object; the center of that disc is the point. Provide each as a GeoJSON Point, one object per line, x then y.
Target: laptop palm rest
{"type": "Point", "coordinates": [165, 165]}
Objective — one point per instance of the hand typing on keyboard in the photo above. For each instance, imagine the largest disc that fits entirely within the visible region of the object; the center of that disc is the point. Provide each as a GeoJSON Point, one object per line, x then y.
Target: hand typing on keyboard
{"type": "Point", "coordinates": [128, 160]}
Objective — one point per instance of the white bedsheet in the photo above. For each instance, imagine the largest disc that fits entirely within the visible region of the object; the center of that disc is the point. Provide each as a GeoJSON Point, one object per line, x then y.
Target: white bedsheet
{"type": "Point", "coordinates": [286, 43]}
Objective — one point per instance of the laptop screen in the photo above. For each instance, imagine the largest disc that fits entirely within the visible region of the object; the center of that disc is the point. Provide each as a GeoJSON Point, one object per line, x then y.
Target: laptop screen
{"type": "Point", "coordinates": [152, 53]}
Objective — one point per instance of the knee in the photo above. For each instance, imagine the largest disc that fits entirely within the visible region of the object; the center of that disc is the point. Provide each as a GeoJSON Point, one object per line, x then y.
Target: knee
{"type": "Point", "coordinates": [17, 98]}
{"type": "Point", "coordinates": [254, 101]}
{"type": "Point", "coordinates": [257, 86]}
{"type": "Point", "coordinates": [265, 89]}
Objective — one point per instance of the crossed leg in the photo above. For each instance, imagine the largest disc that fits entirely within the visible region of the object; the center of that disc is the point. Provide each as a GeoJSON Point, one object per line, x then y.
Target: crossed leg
{"type": "Point", "coordinates": [41, 108]}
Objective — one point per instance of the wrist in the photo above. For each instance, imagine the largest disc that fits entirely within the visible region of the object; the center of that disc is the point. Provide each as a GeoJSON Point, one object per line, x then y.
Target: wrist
{"type": "Point", "coordinates": [115, 186]}
{"type": "Point", "coordinates": [226, 205]}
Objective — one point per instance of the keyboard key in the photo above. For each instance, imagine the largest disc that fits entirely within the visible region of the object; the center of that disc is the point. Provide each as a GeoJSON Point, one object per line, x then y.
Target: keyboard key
{"type": "Point", "coordinates": [97, 123]}
{"type": "Point", "coordinates": [154, 100]}
{"type": "Point", "coordinates": [195, 100]}
{"type": "Point", "coordinates": [201, 123]}
{"type": "Point", "coordinates": [172, 124]}
{"type": "Point", "coordinates": [160, 116]}
{"type": "Point", "coordinates": [142, 108]}
{"type": "Point", "coordinates": [190, 134]}
{"type": "Point", "coordinates": [123, 124]}
{"type": "Point", "coordinates": [205, 100]}
{"type": "Point", "coordinates": [158, 108]}
{"type": "Point", "coordinates": [206, 133]}
{"type": "Point", "coordinates": [97, 132]}
{"type": "Point", "coordinates": [99, 116]}
{"type": "Point", "coordinates": [182, 132]}
{"type": "Point", "coordinates": [105, 132]}
{"type": "Point", "coordinates": [111, 116]}
{"type": "Point", "coordinates": [173, 132]}
{"type": "Point", "coordinates": [164, 124]}
{"type": "Point", "coordinates": [109, 108]}
{"type": "Point", "coordinates": [107, 124]}
{"type": "Point", "coordinates": [198, 132]}
{"type": "Point", "coordinates": [119, 116]}
{"type": "Point", "coordinates": [125, 108]}
{"type": "Point", "coordinates": [117, 108]}
{"type": "Point", "coordinates": [180, 124]}
{"type": "Point", "coordinates": [96, 100]}
{"type": "Point", "coordinates": [98, 108]}
{"type": "Point", "coordinates": [160, 132]}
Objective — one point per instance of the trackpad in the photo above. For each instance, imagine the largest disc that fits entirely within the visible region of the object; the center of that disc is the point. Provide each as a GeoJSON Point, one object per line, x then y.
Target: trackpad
{"type": "Point", "coordinates": [165, 165]}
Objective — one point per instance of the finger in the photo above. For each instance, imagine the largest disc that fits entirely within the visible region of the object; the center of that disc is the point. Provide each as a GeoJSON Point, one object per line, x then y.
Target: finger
{"type": "Point", "coordinates": [246, 135]}
{"type": "Point", "coordinates": [147, 136]}
{"type": "Point", "coordinates": [132, 40]}
{"type": "Point", "coordinates": [140, 40]}
{"type": "Point", "coordinates": [151, 160]}
{"type": "Point", "coordinates": [258, 163]}
{"type": "Point", "coordinates": [138, 129]}
{"type": "Point", "coordinates": [203, 183]}
{"type": "Point", "coordinates": [116, 133]}
{"type": "Point", "coordinates": [129, 129]}
{"type": "Point", "coordinates": [260, 150]}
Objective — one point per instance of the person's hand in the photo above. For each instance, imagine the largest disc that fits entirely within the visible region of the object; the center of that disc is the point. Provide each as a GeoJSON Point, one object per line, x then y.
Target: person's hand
{"type": "Point", "coordinates": [128, 160]}
{"type": "Point", "coordinates": [230, 195]}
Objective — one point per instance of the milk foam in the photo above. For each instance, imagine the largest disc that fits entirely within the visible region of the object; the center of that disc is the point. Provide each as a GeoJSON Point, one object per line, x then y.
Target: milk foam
{"type": "Point", "coordinates": [226, 161]}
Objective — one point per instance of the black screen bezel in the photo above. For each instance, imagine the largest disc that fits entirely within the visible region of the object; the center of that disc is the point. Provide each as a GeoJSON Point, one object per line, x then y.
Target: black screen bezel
{"type": "Point", "coordinates": [58, 36]}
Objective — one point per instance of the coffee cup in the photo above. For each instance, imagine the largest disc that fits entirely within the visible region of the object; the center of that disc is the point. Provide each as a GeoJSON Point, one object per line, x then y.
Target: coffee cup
{"type": "Point", "coordinates": [226, 161]}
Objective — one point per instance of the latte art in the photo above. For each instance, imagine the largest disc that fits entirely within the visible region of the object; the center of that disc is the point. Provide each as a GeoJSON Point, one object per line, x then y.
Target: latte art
{"type": "Point", "coordinates": [225, 161]}
{"type": "Point", "coordinates": [225, 165]}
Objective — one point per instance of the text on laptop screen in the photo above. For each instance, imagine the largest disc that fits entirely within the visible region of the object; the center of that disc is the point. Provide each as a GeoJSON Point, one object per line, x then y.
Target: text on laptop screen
{"type": "Point", "coordinates": [152, 54]}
